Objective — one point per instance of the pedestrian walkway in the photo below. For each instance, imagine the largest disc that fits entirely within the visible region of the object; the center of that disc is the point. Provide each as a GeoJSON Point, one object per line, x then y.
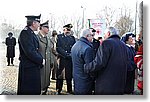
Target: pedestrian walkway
{"type": "Point", "coordinates": [9, 75]}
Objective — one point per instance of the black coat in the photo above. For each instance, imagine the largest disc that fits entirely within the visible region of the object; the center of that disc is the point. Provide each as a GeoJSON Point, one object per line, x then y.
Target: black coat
{"type": "Point", "coordinates": [30, 62]}
{"type": "Point", "coordinates": [10, 43]}
{"type": "Point", "coordinates": [131, 70]}
{"type": "Point", "coordinates": [63, 47]}
{"type": "Point", "coordinates": [96, 44]}
{"type": "Point", "coordinates": [82, 52]}
{"type": "Point", "coordinates": [111, 64]}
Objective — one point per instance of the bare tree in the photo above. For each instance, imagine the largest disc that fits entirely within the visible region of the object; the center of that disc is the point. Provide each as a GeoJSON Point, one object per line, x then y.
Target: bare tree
{"type": "Point", "coordinates": [77, 26]}
{"type": "Point", "coordinates": [125, 22]}
{"type": "Point", "coordinates": [107, 13]}
{"type": "Point", "coordinates": [6, 27]}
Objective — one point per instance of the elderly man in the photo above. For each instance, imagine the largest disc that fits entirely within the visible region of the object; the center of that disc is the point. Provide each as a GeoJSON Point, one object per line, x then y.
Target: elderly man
{"type": "Point", "coordinates": [111, 65]}
{"type": "Point", "coordinates": [82, 52]}
{"type": "Point", "coordinates": [29, 81]}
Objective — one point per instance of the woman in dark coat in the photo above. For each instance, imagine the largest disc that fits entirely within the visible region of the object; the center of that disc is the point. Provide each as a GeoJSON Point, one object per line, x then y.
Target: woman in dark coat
{"type": "Point", "coordinates": [127, 38]}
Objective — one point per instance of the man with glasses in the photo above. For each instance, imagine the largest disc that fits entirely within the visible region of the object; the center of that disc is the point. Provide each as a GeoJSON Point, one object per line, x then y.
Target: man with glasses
{"type": "Point", "coordinates": [82, 52]}
{"type": "Point", "coordinates": [29, 81]}
{"type": "Point", "coordinates": [65, 41]}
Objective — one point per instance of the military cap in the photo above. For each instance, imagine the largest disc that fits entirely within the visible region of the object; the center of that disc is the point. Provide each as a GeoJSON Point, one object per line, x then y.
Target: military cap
{"type": "Point", "coordinates": [10, 33]}
{"type": "Point", "coordinates": [125, 36]}
{"type": "Point", "coordinates": [45, 24]}
{"type": "Point", "coordinates": [68, 26]}
{"type": "Point", "coordinates": [33, 18]}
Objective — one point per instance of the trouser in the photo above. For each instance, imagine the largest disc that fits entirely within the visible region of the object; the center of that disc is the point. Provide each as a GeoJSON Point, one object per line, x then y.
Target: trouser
{"type": "Point", "coordinates": [54, 69]}
{"type": "Point", "coordinates": [10, 59]}
{"type": "Point", "coordinates": [59, 85]}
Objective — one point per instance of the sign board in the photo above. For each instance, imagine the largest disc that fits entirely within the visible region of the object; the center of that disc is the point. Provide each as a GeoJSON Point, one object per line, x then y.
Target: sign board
{"type": "Point", "coordinates": [99, 25]}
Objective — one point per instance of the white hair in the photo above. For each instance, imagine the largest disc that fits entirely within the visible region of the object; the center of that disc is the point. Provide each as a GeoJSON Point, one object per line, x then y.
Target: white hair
{"type": "Point", "coordinates": [112, 31]}
{"type": "Point", "coordinates": [85, 32]}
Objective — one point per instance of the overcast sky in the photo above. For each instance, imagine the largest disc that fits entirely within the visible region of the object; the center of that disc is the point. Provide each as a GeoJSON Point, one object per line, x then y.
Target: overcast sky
{"type": "Point", "coordinates": [15, 10]}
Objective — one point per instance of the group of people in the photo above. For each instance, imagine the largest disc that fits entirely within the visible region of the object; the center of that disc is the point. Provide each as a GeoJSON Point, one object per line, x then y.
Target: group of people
{"type": "Point", "coordinates": [100, 68]}
{"type": "Point", "coordinates": [41, 54]}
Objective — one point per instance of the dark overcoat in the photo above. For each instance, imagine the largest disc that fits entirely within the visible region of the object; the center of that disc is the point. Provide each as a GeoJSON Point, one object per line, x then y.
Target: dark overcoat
{"type": "Point", "coordinates": [96, 44]}
{"type": "Point", "coordinates": [131, 70]}
{"type": "Point", "coordinates": [29, 81]}
{"type": "Point", "coordinates": [111, 64]}
{"type": "Point", "coordinates": [10, 43]}
{"type": "Point", "coordinates": [82, 52]}
{"type": "Point", "coordinates": [63, 47]}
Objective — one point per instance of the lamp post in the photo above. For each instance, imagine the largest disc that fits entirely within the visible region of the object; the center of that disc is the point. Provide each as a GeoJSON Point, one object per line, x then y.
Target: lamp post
{"type": "Point", "coordinates": [83, 17]}
{"type": "Point", "coordinates": [51, 20]}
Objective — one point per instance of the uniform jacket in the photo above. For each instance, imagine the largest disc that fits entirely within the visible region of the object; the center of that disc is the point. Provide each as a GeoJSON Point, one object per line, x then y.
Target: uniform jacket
{"type": "Point", "coordinates": [45, 48]}
{"type": "Point", "coordinates": [29, 81]}
{"type": "Point", "coordinates": [111, 65]}
{"type": "Point", "coordinates": [63, 47]}
{"type": "Point", "coordinates": [82, 52]}
{"type": "Point", "coordinates": [10, 43]}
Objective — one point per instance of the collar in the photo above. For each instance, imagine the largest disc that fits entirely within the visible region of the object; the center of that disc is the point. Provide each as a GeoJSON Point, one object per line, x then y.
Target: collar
{"type": "Point", "coordinates": [128, 45]}
{"type": "Point", "coordinates": [42, 35]}
{"type": "Point", "coordinates": [83, 39]}
{"type": "Point", "coordinates": [114, 36]}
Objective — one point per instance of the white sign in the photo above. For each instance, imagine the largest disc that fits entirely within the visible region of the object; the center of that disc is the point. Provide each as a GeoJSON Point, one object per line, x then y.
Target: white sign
{"type": "Point", "coordinates": [99, 25]}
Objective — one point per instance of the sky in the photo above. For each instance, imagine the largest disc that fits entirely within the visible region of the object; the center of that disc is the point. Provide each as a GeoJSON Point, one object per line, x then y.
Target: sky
{"type": "Point", "coordinates": [16, 10]}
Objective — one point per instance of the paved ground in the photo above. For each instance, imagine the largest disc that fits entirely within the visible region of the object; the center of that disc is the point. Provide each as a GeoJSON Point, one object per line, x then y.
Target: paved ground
{"type": "Point", "coordinates": [9, 75]}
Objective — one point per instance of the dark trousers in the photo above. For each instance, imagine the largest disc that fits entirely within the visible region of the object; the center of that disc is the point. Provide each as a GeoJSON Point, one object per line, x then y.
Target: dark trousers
{"type": "Point", "coordinates": [10, 59]}
{"type": "Point", "coordinates": [59, 85]}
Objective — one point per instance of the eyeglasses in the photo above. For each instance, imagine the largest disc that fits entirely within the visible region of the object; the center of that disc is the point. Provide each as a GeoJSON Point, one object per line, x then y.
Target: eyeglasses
{"type": "Point", "coordinates": [91, 35]}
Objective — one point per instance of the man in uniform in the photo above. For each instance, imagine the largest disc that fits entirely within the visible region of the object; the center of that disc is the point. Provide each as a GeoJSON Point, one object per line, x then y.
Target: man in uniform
{"type": "Point", "coordinates": [54, 54]}
{"type": "Point", "coordinates": [10, 43]}
{"type": "Point", "coordinates": [65, 41]}
{"type": "Point", "coordinates": [29, 81]}
{"type": "Point", "coordinates": [45, 48]}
